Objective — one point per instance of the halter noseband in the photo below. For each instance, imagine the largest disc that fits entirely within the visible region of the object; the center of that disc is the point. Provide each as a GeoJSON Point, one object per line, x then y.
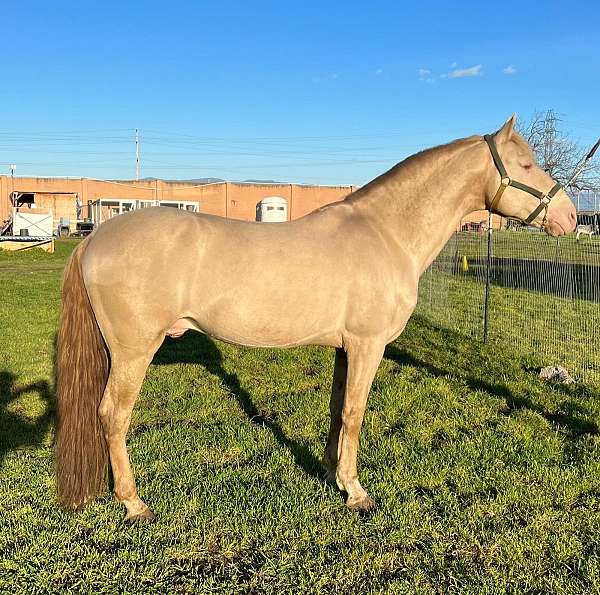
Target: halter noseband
{"type": "Point", "coordinates": [505, 182]}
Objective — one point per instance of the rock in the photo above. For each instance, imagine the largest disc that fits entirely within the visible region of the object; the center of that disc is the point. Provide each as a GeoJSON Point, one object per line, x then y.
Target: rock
{"type": "Point", "coordinates": [556, 374]}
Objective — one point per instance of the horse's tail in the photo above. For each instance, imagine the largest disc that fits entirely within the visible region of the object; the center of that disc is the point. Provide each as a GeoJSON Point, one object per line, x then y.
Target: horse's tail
{"type": "Point", "coordinates": [81, 371]}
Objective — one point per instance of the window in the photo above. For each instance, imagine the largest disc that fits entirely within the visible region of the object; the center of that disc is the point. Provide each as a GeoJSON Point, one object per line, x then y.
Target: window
{"type": "Point", "coordinates": [193, 207]}
{"type": "Point", "coordinates": [144, 204]}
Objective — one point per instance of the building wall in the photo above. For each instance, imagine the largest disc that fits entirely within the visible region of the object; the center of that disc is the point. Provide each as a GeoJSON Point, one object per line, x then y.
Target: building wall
{"type": "Point", "coordinates": [4, 198]}
{"type": "Point", "coordinates": [227, 199]}
{"type": "Point", "coordinates": [481, 217]}
{"type": "Point", "coordinates": [62, 205]}
{"type": "Point", "coordinates": [213, 199]}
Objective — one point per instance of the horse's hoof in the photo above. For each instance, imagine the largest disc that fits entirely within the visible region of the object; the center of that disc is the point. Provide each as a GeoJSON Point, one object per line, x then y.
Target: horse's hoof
{"type": "Point", "coordinates": [361, 505]}
{"type": "Point", "coordinates": [146, 516]}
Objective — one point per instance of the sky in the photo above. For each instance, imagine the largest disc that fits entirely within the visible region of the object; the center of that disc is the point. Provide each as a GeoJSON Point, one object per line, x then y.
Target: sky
{"type": "Point", "coordinates": [316, 92]}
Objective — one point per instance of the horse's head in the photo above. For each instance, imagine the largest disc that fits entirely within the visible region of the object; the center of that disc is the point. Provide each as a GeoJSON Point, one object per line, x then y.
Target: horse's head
{"type": "Point", "coordinates": [521, 189]}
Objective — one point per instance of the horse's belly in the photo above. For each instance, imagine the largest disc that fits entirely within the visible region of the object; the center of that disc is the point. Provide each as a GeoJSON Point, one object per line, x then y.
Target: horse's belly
{"type": "Point", "coordinates": [266, 324]}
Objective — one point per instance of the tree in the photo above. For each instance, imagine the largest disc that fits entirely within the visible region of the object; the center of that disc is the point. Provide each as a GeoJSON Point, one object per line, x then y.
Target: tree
{"type": "Point", "coordinates": [557, 153]}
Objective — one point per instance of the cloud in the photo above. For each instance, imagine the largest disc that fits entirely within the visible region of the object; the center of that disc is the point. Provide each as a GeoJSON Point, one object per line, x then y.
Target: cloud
{"type": "Point", "coordinates": [510, 69]}
{"type": "Point", "coordinates": [425, 75]}
{"type": "Point", "coordinates": [462, 72]}
{"type": "Point", "coordinates": [379, 71]}
{"type": "Point", "coordinates": [326, 78]}
{"type": "Point", "coordinates": [454, 65]}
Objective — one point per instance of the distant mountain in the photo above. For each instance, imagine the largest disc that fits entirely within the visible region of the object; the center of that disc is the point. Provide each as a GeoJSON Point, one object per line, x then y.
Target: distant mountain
{"type": "Point", "coordinates": [200, 180]}
{"type": "Point", "coordinates": [262, 182]}
{"type": "Point", "coordinates": [211, 181]}
{"type": "Point", "coordinates": [189, 181]}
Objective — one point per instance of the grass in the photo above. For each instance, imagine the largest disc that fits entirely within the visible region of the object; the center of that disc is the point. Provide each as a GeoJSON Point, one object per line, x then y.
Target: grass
{"type": "Point", "coordinates": [486, 477]}
{"type": "Point", "coordinates": [552, 329]}
{"type": "Point", "coordinates": [531, 245]}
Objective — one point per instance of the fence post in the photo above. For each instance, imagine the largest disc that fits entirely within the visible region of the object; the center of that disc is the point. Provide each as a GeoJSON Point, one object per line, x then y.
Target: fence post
{"type": "Point", "coordinates": [488, 267]}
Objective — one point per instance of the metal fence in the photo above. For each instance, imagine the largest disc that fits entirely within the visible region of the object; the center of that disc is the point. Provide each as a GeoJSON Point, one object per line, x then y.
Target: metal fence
{"type": "Point", "coordinates": [523, 291]}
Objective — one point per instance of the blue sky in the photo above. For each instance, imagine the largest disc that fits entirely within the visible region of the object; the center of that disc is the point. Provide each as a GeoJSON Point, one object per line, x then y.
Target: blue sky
{"type": "Point", "coordinates": [302, 91]}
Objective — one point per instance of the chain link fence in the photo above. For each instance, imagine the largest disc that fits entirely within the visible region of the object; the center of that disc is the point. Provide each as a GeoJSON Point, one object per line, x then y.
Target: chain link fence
{"type": "Point", "coordinates": [522, 290]}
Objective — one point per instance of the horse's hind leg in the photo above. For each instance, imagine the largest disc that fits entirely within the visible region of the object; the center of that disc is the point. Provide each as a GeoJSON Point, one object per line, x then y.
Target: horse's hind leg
{"type": "Point", "coordinates": [127, 372]}
{"type": "Point", "coordinates": [364, 358]}
{"type": "Point", "coordinates": [338, 388]}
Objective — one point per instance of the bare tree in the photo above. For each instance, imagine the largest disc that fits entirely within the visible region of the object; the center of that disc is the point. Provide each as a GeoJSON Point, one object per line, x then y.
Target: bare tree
{"type": "Point", "coordinates": [557, 153]}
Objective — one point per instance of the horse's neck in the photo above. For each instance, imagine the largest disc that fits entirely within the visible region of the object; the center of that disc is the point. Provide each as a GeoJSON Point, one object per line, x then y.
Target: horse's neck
{"type": "Point", "coordinates": [419, 204]}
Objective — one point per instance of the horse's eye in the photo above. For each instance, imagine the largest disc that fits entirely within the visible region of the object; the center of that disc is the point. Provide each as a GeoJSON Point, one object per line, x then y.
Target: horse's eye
{"type": "Point", "coordinates": [528, 166]}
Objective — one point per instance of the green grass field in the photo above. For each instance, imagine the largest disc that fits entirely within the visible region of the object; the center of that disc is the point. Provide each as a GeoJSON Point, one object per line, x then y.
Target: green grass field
{"type": "Point", "coordinates": [551, 329]}
{"type": "Point", "coordinates": [487, 479]}
{"type": "Point", "coordinates": [531, 245]}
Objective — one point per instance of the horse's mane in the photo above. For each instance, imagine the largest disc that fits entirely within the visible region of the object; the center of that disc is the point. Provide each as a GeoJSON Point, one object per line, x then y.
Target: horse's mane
{"type": "Point", "coordinates": [417, 160]}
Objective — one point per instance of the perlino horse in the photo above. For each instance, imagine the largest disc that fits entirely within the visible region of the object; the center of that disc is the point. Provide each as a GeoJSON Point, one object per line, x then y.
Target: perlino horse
{"type": "Point", "coordinates": [344, 276]}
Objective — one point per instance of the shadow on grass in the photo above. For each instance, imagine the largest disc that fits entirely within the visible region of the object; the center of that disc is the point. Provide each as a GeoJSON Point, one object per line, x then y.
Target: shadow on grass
{"type": "Point", "coordinates": [17, 430]}
{"type": "Point", "coordinates": [446, 353]}
{"type": "Point", "coordinates": [196, 348]}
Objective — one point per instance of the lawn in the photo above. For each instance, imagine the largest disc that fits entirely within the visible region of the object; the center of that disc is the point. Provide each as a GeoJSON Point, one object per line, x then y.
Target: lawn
{"type": "Point", "coordinates": [556, 324]}
{"type": "Point", "coordinates": [486, 478]}
{"type": "Point", "coordinates": [531, 245]}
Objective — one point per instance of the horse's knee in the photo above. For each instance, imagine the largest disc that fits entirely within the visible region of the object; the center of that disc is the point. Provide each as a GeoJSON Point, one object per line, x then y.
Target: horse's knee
{"type": "Point", "coordinates": [105, 412]}
{"type": "Point", "coordinates": [113, 417]}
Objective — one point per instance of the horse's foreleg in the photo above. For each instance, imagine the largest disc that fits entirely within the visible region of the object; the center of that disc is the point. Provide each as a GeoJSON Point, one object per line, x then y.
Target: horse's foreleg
{"type": "Point", "coordinates": [124, 383]}
{"type": "Point", "coordinates": [364, 358]}
{"type": "Point", "coordinates": [338, 388]}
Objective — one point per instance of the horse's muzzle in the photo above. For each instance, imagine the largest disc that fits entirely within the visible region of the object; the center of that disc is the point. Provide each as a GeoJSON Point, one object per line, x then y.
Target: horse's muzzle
{"type": "Point", "coordinates": [561, 221]}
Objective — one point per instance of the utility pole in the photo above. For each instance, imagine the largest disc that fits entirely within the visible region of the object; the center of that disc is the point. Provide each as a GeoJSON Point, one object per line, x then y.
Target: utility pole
{"type": "Point", "coordinates": [12, 183]}
{"type": "Point", "coordinates": [137, 155]}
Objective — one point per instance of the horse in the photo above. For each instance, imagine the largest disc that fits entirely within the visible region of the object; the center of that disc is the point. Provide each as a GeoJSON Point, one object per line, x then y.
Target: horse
{"type": "Point", "coordinates": [585, 229]}
{"type": "Point", "coordinates": [345, 276]}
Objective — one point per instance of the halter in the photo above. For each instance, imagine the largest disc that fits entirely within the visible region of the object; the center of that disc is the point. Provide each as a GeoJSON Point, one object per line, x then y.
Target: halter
{"type": "Point", "coordinates": [505, 182]}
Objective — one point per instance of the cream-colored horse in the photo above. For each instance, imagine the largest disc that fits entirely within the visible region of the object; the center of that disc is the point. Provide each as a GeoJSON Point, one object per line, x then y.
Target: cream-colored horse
{"type": "Point", "coordinates": [344, 276]}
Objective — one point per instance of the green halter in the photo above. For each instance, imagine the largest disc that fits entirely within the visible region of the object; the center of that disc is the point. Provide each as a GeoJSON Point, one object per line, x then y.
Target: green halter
{"type": "Point", "coordinates": [505, 182]}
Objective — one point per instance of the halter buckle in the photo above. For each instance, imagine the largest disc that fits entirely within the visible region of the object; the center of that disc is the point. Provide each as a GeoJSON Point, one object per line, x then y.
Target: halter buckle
{"type": "Point", "coordinates": [505, 181]}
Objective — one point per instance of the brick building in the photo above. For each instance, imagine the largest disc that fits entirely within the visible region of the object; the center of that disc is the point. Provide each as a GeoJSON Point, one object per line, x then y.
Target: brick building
{"type": "Point", "coordinates": [83, 198]}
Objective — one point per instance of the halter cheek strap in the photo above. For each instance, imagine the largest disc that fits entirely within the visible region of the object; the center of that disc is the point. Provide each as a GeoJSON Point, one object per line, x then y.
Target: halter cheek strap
{"type": "Point", "coordinates": [506, 181]}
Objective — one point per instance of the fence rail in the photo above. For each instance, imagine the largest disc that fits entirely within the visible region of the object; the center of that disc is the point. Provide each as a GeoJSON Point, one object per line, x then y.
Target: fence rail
{"type": "Point", "coordinates": [521, 290]}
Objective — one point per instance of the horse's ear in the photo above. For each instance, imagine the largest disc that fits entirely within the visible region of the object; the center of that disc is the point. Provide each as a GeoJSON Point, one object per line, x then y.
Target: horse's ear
{"type": "Point", "coordinates": [507, 129]}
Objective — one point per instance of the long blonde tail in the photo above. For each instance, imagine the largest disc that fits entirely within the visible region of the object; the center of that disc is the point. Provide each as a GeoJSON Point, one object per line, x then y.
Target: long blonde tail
{"type": "Point", "coordinates": [81, 369]}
